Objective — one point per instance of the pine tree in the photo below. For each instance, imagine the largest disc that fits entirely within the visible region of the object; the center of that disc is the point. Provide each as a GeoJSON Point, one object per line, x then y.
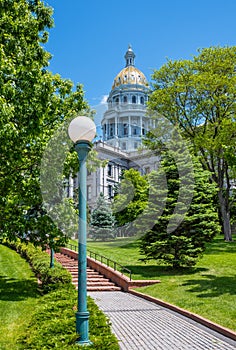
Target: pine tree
{"type": "Point", "coordinates": [178, 238]}
{"type": "Point", "coordinates": [102, 225]}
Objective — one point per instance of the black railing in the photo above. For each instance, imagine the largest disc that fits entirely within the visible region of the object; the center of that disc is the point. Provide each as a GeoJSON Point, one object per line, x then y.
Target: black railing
{"type": "Point", "coordinates": [104, 260]}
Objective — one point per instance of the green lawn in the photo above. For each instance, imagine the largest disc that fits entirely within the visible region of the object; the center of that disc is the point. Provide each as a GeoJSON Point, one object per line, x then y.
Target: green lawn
{"type": "Point", "coordinates": [18, 293]}
{"type": "Point", "coordinates": [209, 289]}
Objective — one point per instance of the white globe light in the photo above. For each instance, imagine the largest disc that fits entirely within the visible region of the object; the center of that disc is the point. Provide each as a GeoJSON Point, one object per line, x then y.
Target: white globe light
{"type": "Point", "coordinates": [82, 128]}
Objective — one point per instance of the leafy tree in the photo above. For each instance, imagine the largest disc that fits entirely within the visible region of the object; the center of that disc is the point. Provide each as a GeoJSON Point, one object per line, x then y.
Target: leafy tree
{"type": "Point", "coordinates": [102, 225]}
{"type": "Point", "coordinates": [33, 104]}
{"type": "Point", "coordinates": [178, 243]}
{"type": "Point", "coordinates": [131, 197]}
{"type": "Point", "coordinates": [199, 96]}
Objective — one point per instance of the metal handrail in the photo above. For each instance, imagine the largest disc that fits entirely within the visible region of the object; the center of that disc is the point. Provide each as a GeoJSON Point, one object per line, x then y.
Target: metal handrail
{"type": "Point", "coordinates": [98, 257]}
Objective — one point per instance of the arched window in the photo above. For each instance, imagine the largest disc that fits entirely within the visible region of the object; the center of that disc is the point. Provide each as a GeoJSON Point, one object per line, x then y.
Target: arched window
{"type": "Point", "coordinates": [133, 99]}
{"type": "Point", "coordinates": [125, 99]}
{"type": "Point", "coordinates": [142, 100]}
{"type": "Point", "coordinates": [117, 100]}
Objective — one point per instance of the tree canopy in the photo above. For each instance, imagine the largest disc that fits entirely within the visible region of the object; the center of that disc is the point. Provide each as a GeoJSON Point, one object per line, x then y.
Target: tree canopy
{"type": "Point", "coordinates": [33, 104]}
{"type": "Point", "coordinates": [131, 197]}
{"type": "Point", "coordinates": [199, 96]}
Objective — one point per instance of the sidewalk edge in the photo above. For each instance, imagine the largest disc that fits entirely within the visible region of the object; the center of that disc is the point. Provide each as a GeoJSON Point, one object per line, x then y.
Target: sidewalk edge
{"type": "Point", "coordinates": [214, 326]}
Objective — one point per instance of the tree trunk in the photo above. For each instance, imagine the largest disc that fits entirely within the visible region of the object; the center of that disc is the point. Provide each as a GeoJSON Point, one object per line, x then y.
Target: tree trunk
{"type": "Point", "coordinates": [225, 216]}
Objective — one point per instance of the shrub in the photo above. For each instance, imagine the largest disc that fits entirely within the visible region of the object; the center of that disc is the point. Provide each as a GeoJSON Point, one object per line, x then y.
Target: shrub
{"type": "Point", "coordinates": [52, 325]}
{"type": "Point", "coordinates": [39, 261]}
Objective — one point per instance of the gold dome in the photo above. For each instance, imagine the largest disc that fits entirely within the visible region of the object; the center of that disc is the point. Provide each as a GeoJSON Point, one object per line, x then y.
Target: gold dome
{"type": "Point", "coordinates": [130, 75]}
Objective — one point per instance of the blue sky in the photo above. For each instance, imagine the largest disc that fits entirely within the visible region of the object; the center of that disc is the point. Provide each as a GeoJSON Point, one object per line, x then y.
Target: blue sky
{"type": "Point", "coordinates": [90, 37]}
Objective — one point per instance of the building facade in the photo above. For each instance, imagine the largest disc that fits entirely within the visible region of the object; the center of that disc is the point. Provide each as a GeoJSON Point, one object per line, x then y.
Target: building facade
{"type": "Point", "coordinates": [123, 126]}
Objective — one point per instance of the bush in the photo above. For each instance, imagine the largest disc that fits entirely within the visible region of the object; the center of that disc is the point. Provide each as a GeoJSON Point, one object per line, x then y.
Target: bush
{"type": "Point", "coordinates": [39, 261]}
{"type": "Point", "coordinates": [52, 325]}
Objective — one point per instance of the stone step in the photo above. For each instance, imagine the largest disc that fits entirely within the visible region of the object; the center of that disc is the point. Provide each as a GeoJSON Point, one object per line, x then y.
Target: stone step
{"type": "Point", "coordinates": [100, 288]}
{"type": "Point", "coordinates": [93, 284]}
{"type": "Point", "coordinates": [103, 289]}
{"type": "Point", "coordinates": [95, 281]}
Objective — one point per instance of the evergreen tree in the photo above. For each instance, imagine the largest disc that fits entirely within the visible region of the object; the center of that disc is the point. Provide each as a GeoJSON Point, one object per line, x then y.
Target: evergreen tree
{"type": "Point", "coordinates": [178, 238]}
{"type": "Point", "coordinates": [102, 225]}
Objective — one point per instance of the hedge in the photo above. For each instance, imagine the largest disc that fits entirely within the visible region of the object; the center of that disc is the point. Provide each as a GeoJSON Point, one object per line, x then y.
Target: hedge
{"type": "Point", "coordinates": [52, 325]}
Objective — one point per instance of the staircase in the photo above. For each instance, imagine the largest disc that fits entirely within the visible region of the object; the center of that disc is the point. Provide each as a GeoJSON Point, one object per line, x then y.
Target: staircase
{"type": "Point", "coordinates": [95, 281]}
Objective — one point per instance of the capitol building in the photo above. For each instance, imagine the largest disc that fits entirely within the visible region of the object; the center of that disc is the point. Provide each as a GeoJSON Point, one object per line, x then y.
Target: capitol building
{"type": "Point", "coordinates": [123, 125]}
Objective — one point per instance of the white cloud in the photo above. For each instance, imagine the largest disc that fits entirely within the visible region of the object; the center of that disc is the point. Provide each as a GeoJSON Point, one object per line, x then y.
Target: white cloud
{"type": "Point", "coordinates": [104, 100]}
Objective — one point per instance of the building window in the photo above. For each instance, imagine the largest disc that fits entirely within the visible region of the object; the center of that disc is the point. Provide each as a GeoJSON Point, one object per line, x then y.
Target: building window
{"type": "Point", "coordinates": [125, 129]}
{"type": "Point", "coordinates": [142, 100]}
{"type": "Point", "coordinates": [89, 192]}
{"type": "Point", "coordinates": [109, 170]}
{"type": "Point", "coordinates": [133, 99]}
{"type": "Point", "coordinates": [117, 100]}
{"type": "Point", "coordinates": [123, 146]}
{"type": "Point", "coordinates": [110, 194]}
{"type": "Point", "coordinates": [125, 99]}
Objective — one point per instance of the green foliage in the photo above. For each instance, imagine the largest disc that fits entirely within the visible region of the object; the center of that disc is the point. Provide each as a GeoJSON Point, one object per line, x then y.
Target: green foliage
{"type": "Point", "coordinates": [179, 238]}
{"type": "Point", "coordinates": [102, 224]}
{"type": "Point", "coordinates": [199, 96]}
{"type": "Point", "coordinates": [39, 261]}
{"type": "Point", "coordinates": [33, 104]}
{"type": "Point", "coordinates": [131, 198]}
{"type": "Point", "coordinates": [52, 324]}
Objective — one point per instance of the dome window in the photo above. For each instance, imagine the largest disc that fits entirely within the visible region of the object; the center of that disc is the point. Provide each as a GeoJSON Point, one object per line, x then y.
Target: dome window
{"type": "Point", "coordinates": [142, 100]}
{"type": "Point", "coordinates": [117, 100]}
{"type": "Point", "coordinates": [133, 99]}
{"type": "Point", "coordinates": [125, 129]}
{"type": "Point", "coordinates": [125, 99]}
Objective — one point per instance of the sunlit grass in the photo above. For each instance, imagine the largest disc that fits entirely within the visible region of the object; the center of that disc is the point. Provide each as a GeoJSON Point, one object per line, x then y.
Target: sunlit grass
{"type": "Point", "coordinates": [18, 293]}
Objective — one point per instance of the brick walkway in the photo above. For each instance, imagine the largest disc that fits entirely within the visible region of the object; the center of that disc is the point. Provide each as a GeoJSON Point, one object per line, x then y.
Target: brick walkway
{"type": "Point", "coordinates": [143, 325]}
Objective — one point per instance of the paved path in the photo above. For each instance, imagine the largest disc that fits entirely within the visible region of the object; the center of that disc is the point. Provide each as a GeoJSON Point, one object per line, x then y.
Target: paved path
{"type": "Point", "coordinates": [143, 325]}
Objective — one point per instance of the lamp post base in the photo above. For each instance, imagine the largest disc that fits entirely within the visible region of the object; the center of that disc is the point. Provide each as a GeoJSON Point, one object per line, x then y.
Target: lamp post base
{"type": "Point", "coordinates": [82, 326]}
{"type": "Point", "coordinates": [83, 343]}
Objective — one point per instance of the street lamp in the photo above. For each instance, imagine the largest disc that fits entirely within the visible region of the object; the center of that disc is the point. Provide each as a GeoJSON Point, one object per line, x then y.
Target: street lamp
{"type": "Point", "coordinates": [82, 130]}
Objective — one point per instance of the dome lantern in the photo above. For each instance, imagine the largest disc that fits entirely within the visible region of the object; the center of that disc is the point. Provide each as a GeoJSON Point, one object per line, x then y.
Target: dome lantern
{"type": "Point", "coordinates": [129, 57]}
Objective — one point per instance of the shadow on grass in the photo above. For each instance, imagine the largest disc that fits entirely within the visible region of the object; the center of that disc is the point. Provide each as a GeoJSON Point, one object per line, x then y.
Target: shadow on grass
{"type": "Point", "coordinates": [219, 246]}
{"type": "Point", "coordinates": [212, 286]}
{"type": "Point", "coordinates": [12, 289]}
{"type": "Point", "coordinates": [155, 271]}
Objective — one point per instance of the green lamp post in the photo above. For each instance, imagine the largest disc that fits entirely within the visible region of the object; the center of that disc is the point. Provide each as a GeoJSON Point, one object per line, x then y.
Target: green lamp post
{"type": "Point", "coordinates": [82, 130]}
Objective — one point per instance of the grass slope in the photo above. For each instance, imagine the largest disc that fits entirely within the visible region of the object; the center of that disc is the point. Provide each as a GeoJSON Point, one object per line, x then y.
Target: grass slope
{"type": "Point", "coordinates": [208, 289]}
{"type": "Point", "coordinates": [18, 293]}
